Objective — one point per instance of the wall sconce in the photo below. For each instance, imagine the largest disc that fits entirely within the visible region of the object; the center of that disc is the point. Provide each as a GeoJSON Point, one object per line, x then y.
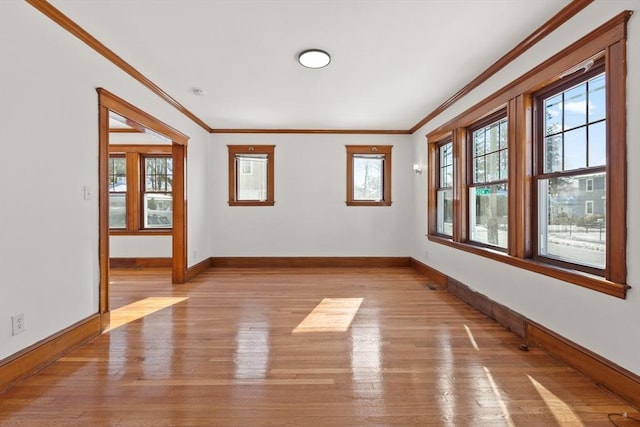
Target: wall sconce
{"type": "Point", "coordinates": [417, 169]}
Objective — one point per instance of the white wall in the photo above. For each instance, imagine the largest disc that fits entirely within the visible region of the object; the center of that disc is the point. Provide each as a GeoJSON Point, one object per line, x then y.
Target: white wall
{"type": "Point", "coordinates": [607, 325]}
{"type": "Point", "coordinates": [310, 217]}
{"type": "Point", "coordinates": [49, 148]}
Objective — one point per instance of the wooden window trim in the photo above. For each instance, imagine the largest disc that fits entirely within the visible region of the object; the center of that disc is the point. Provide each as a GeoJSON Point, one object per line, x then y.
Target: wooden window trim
{"type": "Point", "coordinates": [609, 38]}
{"type": "Point", "coordinates": [135, 155]}
{"type": "Point", "coordinates": [234, 150]}
{"type": "Point", "coordinates": [386, 174]}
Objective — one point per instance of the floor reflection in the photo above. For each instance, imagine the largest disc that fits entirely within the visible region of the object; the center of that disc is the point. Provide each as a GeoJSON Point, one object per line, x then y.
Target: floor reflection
{"type": "Point", "coordinates": [252, 351]}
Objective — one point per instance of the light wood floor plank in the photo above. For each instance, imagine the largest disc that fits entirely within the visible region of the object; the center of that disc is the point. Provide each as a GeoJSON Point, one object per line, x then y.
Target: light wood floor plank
{"type": "Point", "coordinates": [302, 347]}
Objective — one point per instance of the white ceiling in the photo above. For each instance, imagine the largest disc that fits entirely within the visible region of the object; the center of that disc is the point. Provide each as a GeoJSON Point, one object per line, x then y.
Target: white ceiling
{"type": "Point", "coordinates": [393, 61]}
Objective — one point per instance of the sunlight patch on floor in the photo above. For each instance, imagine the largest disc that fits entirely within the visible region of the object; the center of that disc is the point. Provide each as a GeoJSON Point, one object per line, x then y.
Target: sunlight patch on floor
{"type": "Point", "coordinates": [560, 410]}
{"type": "Point", "coordinates": [498, 395]}
{"type": "Point", "coordinates": [139, 309]}
{"type": "Point", "coordinates": [330, 315]}
{"type": "Point", "coordinates": [471, 338]}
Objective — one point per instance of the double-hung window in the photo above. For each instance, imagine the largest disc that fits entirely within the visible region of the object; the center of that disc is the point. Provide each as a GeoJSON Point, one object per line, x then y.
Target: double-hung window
{"type": "Point", "coordinates": [157, 200]}
{"type": "Point", "coordinates": [571, 176]}
{"type": "Point", "coordinates": [118, 192]}
{"type": "Point", "coordinates": [488, 195]}
{"type": "Point", "coordinates": [445, 189]}
{"type": "Point", "coordinates": [535, 174]}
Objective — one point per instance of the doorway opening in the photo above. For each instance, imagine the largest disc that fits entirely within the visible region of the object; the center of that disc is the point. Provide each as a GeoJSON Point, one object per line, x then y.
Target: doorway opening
{"type": "Point", "coordinates": [153, 219]}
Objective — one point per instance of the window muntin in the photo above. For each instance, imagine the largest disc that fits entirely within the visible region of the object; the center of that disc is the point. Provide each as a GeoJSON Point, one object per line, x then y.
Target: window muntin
{"type": "Point", "coordinates": [157, 199]}
{"type": "Point", "coordinates": [368, 175]}
{"type": "Point", "coordinates": [488, 191]}
{"type": "Point", "coordinates": [251, 175]}
{"type": "Point", "coordinates": [444, 193]}
{"type": "Point", "coordinates": [118, 192]}
{"type": "Point", "coordinates": [571, 231]}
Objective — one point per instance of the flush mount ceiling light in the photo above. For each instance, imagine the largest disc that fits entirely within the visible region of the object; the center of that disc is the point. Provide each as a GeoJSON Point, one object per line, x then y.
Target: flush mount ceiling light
{"type": "Point", "coordinates": [314, 58]}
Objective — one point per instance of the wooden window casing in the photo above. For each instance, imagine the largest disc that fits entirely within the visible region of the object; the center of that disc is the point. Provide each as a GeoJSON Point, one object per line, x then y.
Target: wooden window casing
{"type": "Point", "coordinates": [381, 152]}
{"type": "Point", "coordinates": [606, 43]}
{"type": "Point", "coordinates": [237, 174]}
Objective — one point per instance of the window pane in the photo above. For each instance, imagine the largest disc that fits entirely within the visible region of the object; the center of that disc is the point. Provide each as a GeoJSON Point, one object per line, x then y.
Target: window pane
{"type": "Point", "coordinates": [479, 143]}
{"type": "Point", "coordinates": [597, 144]}
{"type": "Point", "coordinates": [503, 133]}
{"type": "Point", "coordinates": [158, 173]}
{"type": "Point", "coordinates": [575, 106]}
{"type": "Point", "coordinates": [492, 164]}
{"type": "Point", "coordinates": [504, 165]}
{"type": "Point", "coordinates": [117, 174]}
{"type": "Point", "coordinates": [553, 115]}
{"type": "Point", "coordinates": [566, 231]}
{"type": "Point", "coordinates": [158, 210]}
{"type": "Point", "coordinates": [575, 149]}
{"type": "Point", "coordinates": [479, 170]}
{"type": "Point", "coordinates": [117, 210]}
{"type": "Point", "coordinates": [368, 177]}
{"type": "Point", "coordinates": [553, 153]}
{"type": "Point", "coordinates": [488, 209]}
{"type": "Point", "coordinates": [445, 212]}
{"type": "Point", "coordinates": [253, 184]}
{"type": "Point", "coordinates": [493, 138]}
{"type": "Point", "coordinates": [597, 106]}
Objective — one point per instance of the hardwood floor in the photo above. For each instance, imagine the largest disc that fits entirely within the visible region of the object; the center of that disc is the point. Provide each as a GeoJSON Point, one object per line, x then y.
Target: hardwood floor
{"type": "Point", "coordinates": [302, 347]}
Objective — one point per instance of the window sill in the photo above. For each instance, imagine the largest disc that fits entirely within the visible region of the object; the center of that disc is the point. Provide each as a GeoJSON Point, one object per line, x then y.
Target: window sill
{"type": "Point", "coordinates": [367, 203]}
{"type": "Point", "coordinates": [162, 232]}
{"type": "Point", "coordinates": [251, 203]}
{"type": "Point", "coordinates": [579, 278]}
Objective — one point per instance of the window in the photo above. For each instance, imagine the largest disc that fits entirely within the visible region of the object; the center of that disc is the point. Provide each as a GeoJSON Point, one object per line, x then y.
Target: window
{"type": "Point", "coordinates": [588, 207]}
{"type": "Point", "coordinates": [251, 175]}
{"type": "Point", "coordinates": [369, 175]}
{"type": "Point", "coordinates": [488, 197]}
{"type": "Point", "coordinates": [445, 189]}
{"type": "Point", "coordinates": [572, 147]}
{"type": "Point", "coordinates": [540, 182]}
{"type": "Point", "coordinates": [157, 199]}
{"type": "Point", "coordinates": [117, 192]}
{"type": "Point", "coordinates": [140, 189]}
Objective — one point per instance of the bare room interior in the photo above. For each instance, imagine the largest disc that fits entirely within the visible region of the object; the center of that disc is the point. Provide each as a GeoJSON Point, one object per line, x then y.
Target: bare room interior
{"type": "Point", "coordinates": [319, 212]}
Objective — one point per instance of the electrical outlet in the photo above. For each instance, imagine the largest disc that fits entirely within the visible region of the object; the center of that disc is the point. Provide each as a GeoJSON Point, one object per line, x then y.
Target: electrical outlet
{"type": "Point", "coordinates": [17, 324]}
{"type": "Point", "coordinates": [426, 254]}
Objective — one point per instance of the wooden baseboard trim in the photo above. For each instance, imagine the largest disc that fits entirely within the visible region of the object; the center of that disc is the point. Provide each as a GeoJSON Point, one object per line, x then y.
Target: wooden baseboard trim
{"type": "Point", "coordinates": [140, 262]}
{"type": "Point", "coordinates": [41, 354]}
{"type": "Point", "coordinates": [309, 262]}
{"type": "Point", "coordinates": [511, 320]}
{"type": "Point", "coordinates": [197, 269]}
{"type": "Point", "coordinates": [601, 371]}
{"type": "Point", "coordinates": [439, 278]}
